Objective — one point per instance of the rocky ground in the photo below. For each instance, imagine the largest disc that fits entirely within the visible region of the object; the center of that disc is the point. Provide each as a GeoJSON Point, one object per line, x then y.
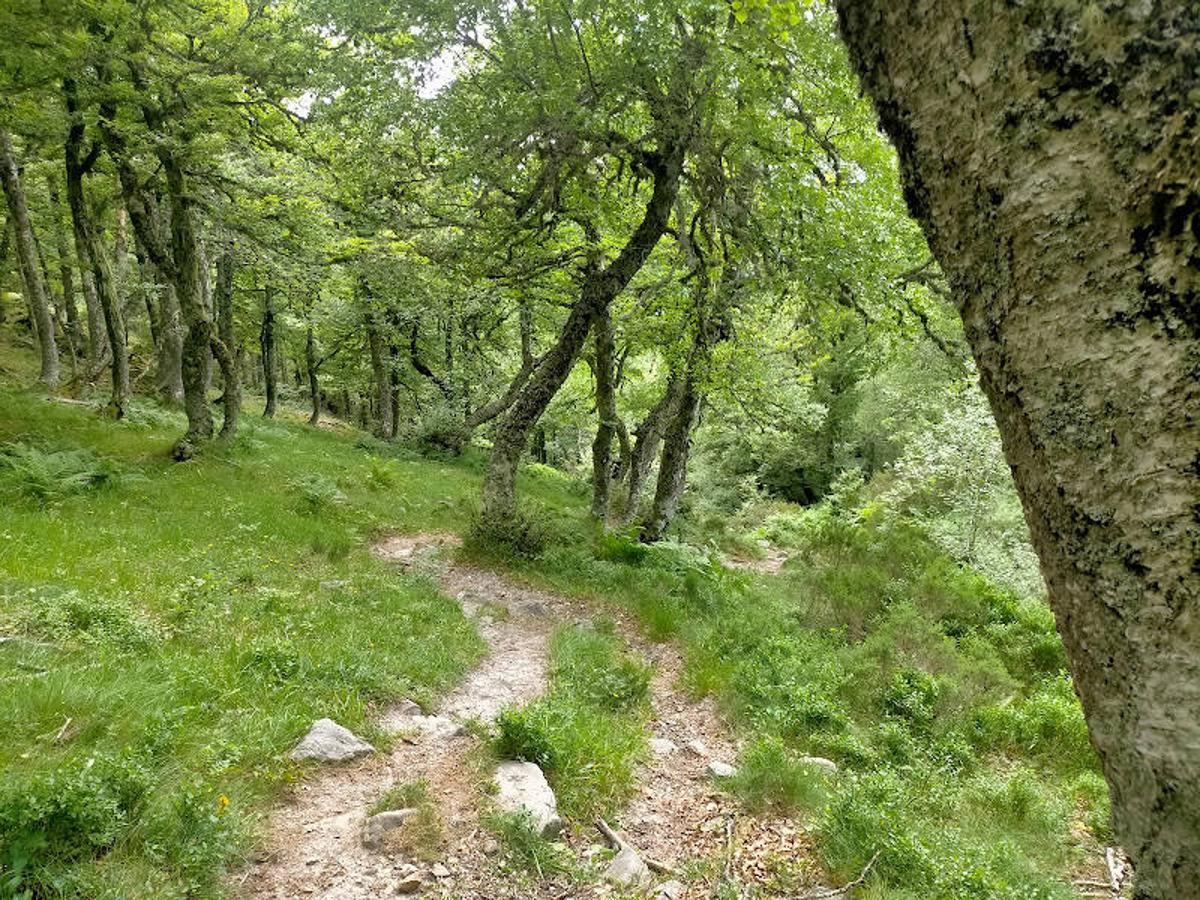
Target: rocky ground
{"type": "Point", "coordinates": [680, 836]}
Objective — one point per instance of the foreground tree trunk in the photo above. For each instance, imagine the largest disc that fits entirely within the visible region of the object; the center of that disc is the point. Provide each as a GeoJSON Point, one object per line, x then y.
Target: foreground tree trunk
{"type": "Point", "coordinates": [35, 286]}
{"type": "Point", "coordinates": [598, 291]}
{"type": "Point", "coordinates": [381, 375]}
{"type": "Point", "coordinates": [1052, 160]}
{"type": "Point", "coordinates": [672, 468]}
{"type": "Point", "coordinates": [647, 438]}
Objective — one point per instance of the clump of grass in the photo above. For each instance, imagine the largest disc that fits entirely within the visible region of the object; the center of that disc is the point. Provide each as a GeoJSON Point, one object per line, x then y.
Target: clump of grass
{"type": "Point", "coordinates": [316, 493]}
{"type": "Point", "coordinates": [526, 849]}
{"type": "Point", "coordinates": [770, 776]}
{"type": "Point", "coordinates": [525, 535]}
{"type": "Point", "coordinates": [70, 616]}
{"type": "Point", "coordinates": [402, 795]}
{"type": "Point", "coordinates": [587, 732]}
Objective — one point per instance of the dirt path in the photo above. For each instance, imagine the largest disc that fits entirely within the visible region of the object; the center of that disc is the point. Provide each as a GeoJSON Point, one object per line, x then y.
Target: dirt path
{"type": "Point", "coordinates": [315, 849]}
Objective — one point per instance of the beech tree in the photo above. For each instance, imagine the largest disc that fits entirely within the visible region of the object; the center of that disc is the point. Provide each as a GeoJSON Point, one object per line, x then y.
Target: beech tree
{"type": "Point", "coordinates": [1049, 151]}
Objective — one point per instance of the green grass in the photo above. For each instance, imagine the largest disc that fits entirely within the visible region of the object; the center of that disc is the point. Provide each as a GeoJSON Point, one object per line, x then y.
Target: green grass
{"type": "Point", "coordinates": [588, 731]}
{"type": "Point", "coordinates": [402, 795]}
{"type": "Point", "coordinates": [964, 754]}
{"type": "Point", "coordinates": [175, 628]}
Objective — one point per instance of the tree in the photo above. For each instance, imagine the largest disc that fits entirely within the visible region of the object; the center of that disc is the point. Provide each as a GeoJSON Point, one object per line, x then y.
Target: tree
{"type": "Point", "coordinates": [1049, 152]}
{"type": "Point", "coordinates": [27, 255]}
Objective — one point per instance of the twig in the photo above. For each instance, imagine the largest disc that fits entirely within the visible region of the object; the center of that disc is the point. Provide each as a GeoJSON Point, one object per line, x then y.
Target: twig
{"type": "Point", "coordinates": [1116, 868]}
{"type": "Point", "coordinates": [660, 867]}
{"type": "Point", "coordinates": [837, 891]}
{"type": "Point", "coordinates": [729, 849]}
{"type": "Point", "coordinates": [62, 731]}
{"type": "Point", "coordinates": [618, 843]}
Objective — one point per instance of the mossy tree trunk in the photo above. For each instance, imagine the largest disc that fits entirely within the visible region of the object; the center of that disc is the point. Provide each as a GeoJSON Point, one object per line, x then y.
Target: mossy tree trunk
{"type": "Point", "coordinates": [224, 345]}
{"type": "Point", "coordinates": [27, 256]}
{"type": "Point", "coordinates": [606, 412]}
{"type": "Point", "coordinates": [267, 350]}
{"type": "Point", "coordinates": [1049, 149]}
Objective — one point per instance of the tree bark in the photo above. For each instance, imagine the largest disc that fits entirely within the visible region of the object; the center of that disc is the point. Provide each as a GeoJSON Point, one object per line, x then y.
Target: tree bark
{"type": "Point", "coordinates": [672, 468]}
{"type": "Point", "coordinates": [90, 248]}
{"type": "Point", "coordinates": [198, 330]}
{"type": "Point", "coordinates": [647, 438]}
{"type": "Point", "coordinates": [598, 291]}
{"type": "Point", "coordinates": [35, 287]}
{"type": "Point", "coordinates": [266, 343]}
{"type": "Point", "coordinates": [224, 345]}
{"type": "Point", "coordinates": [1052, 161]}
{"type": "Point", "coordinates": [74, 330]}
{"type": "Point", "coordinates": [310, 366]}
{"type": "Point", "coordinates": [385, 425]}
{"type": "Point", "coordinates": [606, 413]}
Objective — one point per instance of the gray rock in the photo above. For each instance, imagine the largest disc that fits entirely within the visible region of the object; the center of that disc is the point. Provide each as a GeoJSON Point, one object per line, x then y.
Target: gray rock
{"type": "Point", "coordinates": [377, 827]}
{"type": "Point", "coordinates": [698, 748]}
{"type": "Point", "coordinates": [327, 741]}
{"type": "Point", "coordinates": [721, 769]}
{"type": "Point", "coordinates": [439, 871]}
{"type": "Point", "coordinates": [669, 890]}
{"type": "Point", "coordinates": [523, 787]}
{"type": "Point", "coordinates": [663, 746]}
{"type": "Point", "coordinates": [821, 762]}
{"type": "Point", "coordinates": [627, 869]}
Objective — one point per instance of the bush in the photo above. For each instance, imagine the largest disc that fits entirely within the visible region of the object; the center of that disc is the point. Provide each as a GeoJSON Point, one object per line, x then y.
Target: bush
{"type": "Point", "coordinates": [439, 432]}
{"type": "Point", "coordinates": [621, 547]}
{"type": "Point", "coordinates": [50, 476]}
{"type": "Point", "coordinates": [771, 776]}
{"type": "Point", "coordinates": [525, 536]}
{"type": "Point", "coordinates": [526, 849]}
{"type": "Point", "coordinates": [71, 813]}
{"type": "Point", "coordinates": [525, 734]}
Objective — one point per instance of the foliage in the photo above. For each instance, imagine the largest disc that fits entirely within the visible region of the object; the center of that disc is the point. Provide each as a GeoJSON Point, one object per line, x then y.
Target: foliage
{"type": "Point", "coordinates": [50, 476]}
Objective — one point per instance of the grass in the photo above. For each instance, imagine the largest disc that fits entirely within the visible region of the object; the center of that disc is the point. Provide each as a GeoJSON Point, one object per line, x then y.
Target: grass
{"type": "Point", "coordinates": [402, 795]}
{"type": "Point", "coordinates": [964, 756]}
{"type": "Point", "coordinates": [588, 731]}
{"type": "Point", "coordinates": [173, 629]}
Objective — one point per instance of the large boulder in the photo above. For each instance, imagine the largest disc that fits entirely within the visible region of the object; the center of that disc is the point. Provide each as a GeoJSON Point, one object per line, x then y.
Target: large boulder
{"type": "Point", "coordinates": [327, 741]}
{"type": "Point", "coordinates": [523, 788]}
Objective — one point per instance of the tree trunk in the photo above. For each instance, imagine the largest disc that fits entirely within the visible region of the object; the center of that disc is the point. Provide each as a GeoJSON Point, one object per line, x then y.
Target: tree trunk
{"type": "Point", "coordinates": [266, 343]}
{"type": "Point", "coordinates": [1052, 161]}
{"type": "Point", "coordinates": [197, 339]}
{"type": "Point", "coordinates": [74, 330]}
{"type": "Point", "coordinates": [224, 345]}
{"type": "Point", "coordinates": [310, 365]}
{"type": "Point", "coordinates": [672, 468]}
{"type": "Point", "coordinates": [598, 291]}
{"type": "Point", "coordinates": [35, 287]}
{"type": "Point", "coordinates": [606, 413]}
{"type": "Point", "coordinates": [89, 247]}
{"type": "Point", "coordinates": [646, 440]}
{"type": "Point", "coordinates": [380, 374]}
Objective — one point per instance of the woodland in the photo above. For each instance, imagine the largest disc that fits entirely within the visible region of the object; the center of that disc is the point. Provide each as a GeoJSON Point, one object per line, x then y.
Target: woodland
{"type": "Point", "coordinates": [770, 422]}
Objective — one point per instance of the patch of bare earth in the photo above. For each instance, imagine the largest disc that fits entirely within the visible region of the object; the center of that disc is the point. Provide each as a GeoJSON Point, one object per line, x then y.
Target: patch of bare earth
{"type": "Point", "coordinates": [679, 817]}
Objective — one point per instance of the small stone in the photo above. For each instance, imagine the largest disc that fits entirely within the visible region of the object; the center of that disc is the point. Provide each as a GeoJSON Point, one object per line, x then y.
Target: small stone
{"type": "Point", "coordinates": [334, 584]}
{"type": "Point", "coordinates": [523, 786]}
{"type": "Point", "coordinates": [406, 707]}
{"type": "Point", "coordinates": [377, 827]}
{"type": "Point", "coordinates": [327, 741]}
{"type": "Point", "coordinates": [663, 746]}
{"type": "Point", "coordinates": [312, 860]}
{"type": "Point", "coordinates": [669, 890]}
{"type": "Point", "coordinates": [698, 748]}
{"type": "Point", "coordinates": [408, 884]}
{"type": "Point", "coordinates": [491, 847]}
{"type": "Point", "coordinates": [763, 543]}
{"type": "Point", "coordinates": [821, 762]}
{"type": "Point", "coordinates": [627, 869]}
{"type": "Point", "coordinates": [439, 871]}
{"type": "Point", "coordinates": [721, 769]}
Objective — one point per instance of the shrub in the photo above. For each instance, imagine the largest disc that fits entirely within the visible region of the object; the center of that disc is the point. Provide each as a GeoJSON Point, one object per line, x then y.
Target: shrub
{"type": "Point", "coordinates": [526, 849]}
{"type": "Point", "coordinates": [596, 670]}
{"type": "Point", "coordinates": [913, 695]}
{"type": "Point", "coordinates": [50, 476]}
{"type": "Point", "coordinates": [439, 432]}
{"type": "Point", "coordinates": [621, 547]}
{"type": "Point", "coordinates": [525, 734]}
{"type": "Point", "coordinates": [525, 536]}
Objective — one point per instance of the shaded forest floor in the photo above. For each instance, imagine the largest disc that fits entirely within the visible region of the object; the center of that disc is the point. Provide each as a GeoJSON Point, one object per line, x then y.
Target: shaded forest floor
{"type": "Point", "coordinates": [168, 632]}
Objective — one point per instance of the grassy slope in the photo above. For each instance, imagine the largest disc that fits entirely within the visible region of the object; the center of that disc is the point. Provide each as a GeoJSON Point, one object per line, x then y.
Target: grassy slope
{"type": "Point", "coordinates": [190, 621]}
{"type": "Point", "coordinates": [211, 626]}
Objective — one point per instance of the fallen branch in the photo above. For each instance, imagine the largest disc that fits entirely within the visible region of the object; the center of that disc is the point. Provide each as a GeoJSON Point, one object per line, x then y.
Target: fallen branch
{"type": "Point", "coordinates": [617, 842]}
{"type": "Point", "coordinates": [845, 888]}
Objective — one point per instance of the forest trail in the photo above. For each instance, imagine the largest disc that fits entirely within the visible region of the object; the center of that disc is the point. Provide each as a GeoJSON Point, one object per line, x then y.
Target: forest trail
{"type": "Point", "coordinates": [678, 816]}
